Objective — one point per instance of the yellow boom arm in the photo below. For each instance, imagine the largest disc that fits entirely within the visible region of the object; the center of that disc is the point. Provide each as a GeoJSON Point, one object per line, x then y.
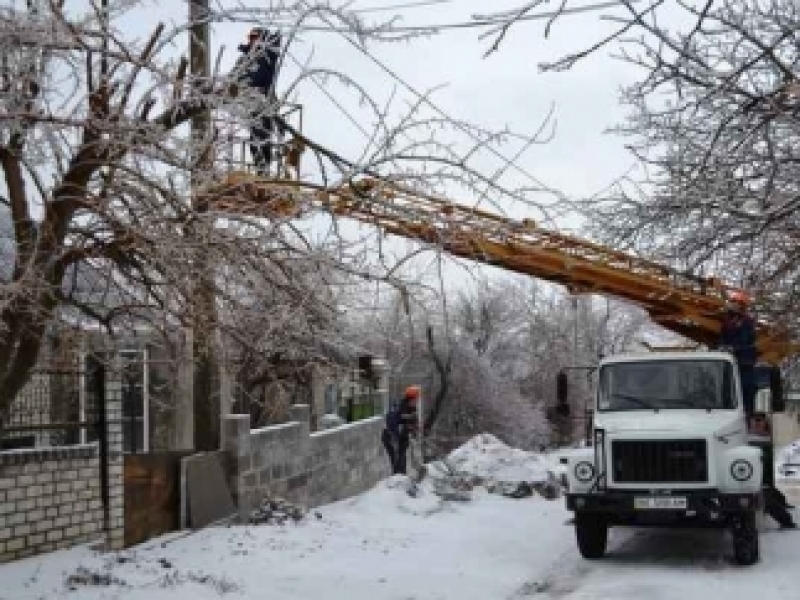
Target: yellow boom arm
{"type": "Point", "coordinates": [688, 305]}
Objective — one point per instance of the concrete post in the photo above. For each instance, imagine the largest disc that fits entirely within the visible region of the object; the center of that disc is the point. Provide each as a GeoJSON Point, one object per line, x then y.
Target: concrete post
{"type": "Point", "coordinates": [301, 413]}
{"type": "Point", "coordinates": [237, 459]}
{"type": "Point", "coordinates": [183, 432]}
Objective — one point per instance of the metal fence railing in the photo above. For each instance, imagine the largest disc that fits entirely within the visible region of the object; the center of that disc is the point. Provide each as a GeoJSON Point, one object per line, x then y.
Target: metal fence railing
{"type": "Point", "coordinates": [57, 407]}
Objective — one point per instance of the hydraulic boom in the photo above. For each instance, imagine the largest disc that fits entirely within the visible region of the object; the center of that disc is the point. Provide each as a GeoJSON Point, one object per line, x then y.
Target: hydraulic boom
{"type": "Point", "coordinates": [688, 305]}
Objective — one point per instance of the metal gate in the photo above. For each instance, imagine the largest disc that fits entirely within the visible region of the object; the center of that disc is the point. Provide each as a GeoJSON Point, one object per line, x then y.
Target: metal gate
{"type": "Point", "coordinates": [152, 495]}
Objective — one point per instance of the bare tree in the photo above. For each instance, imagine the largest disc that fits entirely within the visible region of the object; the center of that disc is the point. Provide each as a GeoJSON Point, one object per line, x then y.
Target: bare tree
{"type": "Point", "coordinates": [97, 165]}
{"type": "Point", "coordinates": [496, 350]}
{"type": "Point", "coordinates": [714, 119]}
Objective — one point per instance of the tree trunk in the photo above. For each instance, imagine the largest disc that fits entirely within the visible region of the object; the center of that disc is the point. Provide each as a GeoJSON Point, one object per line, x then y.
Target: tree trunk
{"type": "Point", "coordinates": [443, 368]}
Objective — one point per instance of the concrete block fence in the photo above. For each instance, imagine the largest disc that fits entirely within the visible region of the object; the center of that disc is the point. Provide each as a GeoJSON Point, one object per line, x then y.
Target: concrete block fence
{"type": "Point", "coordinates": [308, 468]}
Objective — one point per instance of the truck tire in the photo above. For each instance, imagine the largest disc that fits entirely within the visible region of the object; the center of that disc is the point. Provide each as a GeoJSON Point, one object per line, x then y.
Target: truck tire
{"type": "Point", "coordinates": [592, 533]}
{"type": "Point", "coordinates": [745, 539]}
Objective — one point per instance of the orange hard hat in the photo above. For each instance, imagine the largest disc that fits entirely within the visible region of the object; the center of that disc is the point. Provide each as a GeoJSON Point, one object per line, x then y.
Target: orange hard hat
{"type": "Point", "coordinates": [412, 392]}
{"type": "Point", "coordinates": [739, 298]}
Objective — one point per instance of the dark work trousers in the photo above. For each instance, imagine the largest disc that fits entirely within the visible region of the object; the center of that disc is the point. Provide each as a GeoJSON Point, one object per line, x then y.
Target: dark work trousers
{"type": "Point", "coordinates": [263, 138]}
{"type": "Point", "coordinates": [402, 450]}
{"type": "Point", "coordinates": [389, 443]}
{"type": "Point", "coordinates": [775, 504]}
{"type": "Point", "coordinates": [748, 379]}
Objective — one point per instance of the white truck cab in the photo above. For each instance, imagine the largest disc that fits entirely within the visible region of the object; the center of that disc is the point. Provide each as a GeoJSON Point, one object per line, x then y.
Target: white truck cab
{"type": "Point", "coordinates": [670, 448]}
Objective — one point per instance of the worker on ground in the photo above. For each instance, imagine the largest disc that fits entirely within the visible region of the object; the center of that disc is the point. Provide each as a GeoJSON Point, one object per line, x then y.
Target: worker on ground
{"type": "Point", "coordinates": [401, 425]}
{"type": "Point", "coordinates": [257, 69]}
{"type": "Point", "coordinates": [738, 334]}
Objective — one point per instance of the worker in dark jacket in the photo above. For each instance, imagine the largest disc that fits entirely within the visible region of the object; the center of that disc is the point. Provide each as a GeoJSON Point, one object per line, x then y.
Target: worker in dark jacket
{"type": "Point", "coordinates": [775, 504]}
{"type": "Point", "coordinates": [739, 335]}
{"type": "Point", "coordinates": [257, 69]}
{"type": "Point", "coordinates": [401, 424]}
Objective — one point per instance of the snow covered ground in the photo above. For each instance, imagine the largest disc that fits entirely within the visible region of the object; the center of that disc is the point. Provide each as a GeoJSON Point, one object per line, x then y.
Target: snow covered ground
{"type": "Point", "coordinates": [386, 545]}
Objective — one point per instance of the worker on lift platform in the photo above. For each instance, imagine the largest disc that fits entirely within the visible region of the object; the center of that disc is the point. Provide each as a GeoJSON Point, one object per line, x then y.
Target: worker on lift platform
{"type": "Point", "coordinates": [257, 69]}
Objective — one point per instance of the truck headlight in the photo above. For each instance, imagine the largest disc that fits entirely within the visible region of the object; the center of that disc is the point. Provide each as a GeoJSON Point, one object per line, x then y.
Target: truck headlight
{"type": "Point", "coordinates": [584, 471]}
{"type": "Point", "coordinates": [741, 470]}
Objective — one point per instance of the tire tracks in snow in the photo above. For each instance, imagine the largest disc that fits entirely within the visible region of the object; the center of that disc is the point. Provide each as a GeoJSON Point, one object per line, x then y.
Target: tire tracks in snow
{"type": "Point", "coordinates": [569, 571]}
{"type": "Point", "coordinates": [562, 578]}
{"type": "Point", "coordinates": [571, 576]}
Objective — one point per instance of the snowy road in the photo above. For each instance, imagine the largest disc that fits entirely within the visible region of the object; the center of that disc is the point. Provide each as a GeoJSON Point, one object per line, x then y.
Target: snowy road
{"type": "Point", "coordinates": [385, 545]}
{"type": "Point", "coordinates": [667, 565]}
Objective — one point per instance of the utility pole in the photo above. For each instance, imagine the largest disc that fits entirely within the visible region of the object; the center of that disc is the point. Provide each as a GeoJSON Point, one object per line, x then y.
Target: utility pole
{"type": "Point", "coordinates": [206, 378]}
{"type": "Point", "coordinates": [576, 361]}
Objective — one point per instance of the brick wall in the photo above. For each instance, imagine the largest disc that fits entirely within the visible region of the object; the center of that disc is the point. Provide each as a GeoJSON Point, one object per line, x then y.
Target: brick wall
{"type": "Point", "coordinates": [50, 497]}
{"type": "Point", "coordinates": [290, 462]}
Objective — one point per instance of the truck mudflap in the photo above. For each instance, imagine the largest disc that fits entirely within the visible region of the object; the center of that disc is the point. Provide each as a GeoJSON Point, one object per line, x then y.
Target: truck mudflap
{"type": "Point", "coordinates": [690, 503]}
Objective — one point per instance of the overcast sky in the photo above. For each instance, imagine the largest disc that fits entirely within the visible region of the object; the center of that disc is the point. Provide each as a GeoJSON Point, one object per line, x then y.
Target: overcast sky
{"type": "Point", "coordinates": [504, 89]}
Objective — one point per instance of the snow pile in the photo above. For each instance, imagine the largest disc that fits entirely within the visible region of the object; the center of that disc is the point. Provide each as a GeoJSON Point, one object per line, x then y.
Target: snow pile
{"type": "Point", "coordinates": [482, 462]}
{"type": "Point", "coordinates": [486, 461]}
{"type": "Point", "coordinates": [487, 458]}
{"type": "Point", "coordinates": [399, 494]}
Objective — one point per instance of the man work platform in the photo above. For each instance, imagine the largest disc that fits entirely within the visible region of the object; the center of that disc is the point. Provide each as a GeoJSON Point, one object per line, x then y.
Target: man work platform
{"type": "Point", "coordinates": [738, 335]}
{"type": "Point", "coordinates": [257, 70]}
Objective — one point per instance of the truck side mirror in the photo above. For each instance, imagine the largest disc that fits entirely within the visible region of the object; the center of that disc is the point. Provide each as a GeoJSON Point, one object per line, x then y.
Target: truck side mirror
{"type": "Point", "coordinates": [366, 368]}
{"type": "Point", "coordinates": [769, 384]}
{"type": "Point", "coordinates": [776, 387]}
{"type": "Point", "coordinates": [562, 387]}
{"type": "Point", "coordinates": [562, 395]}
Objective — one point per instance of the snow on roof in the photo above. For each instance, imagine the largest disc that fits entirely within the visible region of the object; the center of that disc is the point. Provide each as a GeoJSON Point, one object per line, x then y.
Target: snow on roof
{"type": "Point", "coordinates": [668, 355]}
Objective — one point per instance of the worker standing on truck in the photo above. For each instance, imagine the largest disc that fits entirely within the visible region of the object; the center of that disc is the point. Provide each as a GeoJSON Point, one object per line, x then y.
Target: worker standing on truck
{"type": "Point", "coordinates": [739, 335]}
{"type": "Point", "coordinates": [257, 69]}
{"type": "Point", "coordinates": [401, 425]}
{"type": "Point", "coordinates": [775, 504]}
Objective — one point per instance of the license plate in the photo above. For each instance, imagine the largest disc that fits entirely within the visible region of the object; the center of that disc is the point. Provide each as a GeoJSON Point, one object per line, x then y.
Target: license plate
{"type": "Point", "coordinates": [660, 502]}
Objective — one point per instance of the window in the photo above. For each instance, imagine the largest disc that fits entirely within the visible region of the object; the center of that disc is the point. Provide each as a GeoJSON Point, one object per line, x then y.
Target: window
{"type": "Point", "coordinates": [134, 418]}
{"type": "Point", "coordinates": [134, 401]}
{"type": "Point", "coordinates": [667, 384]}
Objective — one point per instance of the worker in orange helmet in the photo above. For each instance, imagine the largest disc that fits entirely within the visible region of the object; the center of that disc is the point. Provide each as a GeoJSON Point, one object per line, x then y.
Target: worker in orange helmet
{"type": "Point", "coordinates": [738, 334]}
{"type": "Point", "coordinates": [401, 423]}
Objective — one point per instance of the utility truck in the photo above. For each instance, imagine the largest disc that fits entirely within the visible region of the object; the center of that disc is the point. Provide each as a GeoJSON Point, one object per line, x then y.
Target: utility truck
{"type": "Point", "coordinates": [670, 434]}
{"type": "Point", "coordinates": [671, 448]}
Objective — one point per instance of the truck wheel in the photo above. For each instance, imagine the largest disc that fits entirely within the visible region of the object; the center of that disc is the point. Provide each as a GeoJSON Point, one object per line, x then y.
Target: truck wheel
{"type": "Point", "coordinates": [592, 533]}
{"type": "Point", "coordinates": [745, 539]}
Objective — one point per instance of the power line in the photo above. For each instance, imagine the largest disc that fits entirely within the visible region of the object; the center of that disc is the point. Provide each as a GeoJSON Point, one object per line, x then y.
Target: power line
{"type": "Point", "coordinates": [419, 4]}
{"type": "Point", "coordinates": [425, 100]}
{"type": "Point", "coordinates": [333, 99]}
{"type": "Point", "coordinates": [474, 23]}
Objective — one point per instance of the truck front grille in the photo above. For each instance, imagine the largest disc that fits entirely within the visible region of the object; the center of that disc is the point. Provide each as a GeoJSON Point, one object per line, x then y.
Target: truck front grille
{"type": "Point", "coordinates": [659, 461]}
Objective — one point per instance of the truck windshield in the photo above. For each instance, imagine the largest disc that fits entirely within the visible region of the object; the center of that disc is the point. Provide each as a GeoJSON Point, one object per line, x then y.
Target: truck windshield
{"type": "Point", "coordinates": [666, 384]}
